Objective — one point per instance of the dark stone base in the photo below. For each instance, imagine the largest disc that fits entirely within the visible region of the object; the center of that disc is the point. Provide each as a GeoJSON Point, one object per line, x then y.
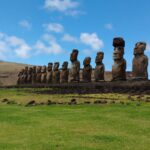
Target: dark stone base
{"type": "Point", "coordinates": [131, 87]}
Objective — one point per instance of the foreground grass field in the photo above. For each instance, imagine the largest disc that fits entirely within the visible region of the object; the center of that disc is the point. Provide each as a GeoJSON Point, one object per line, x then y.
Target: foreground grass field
{"type": "Point", "coordinates": [78, 127]}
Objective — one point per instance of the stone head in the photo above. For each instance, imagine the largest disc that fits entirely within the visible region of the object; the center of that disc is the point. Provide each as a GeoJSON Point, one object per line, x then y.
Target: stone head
{"type": "Point", "coordinates": [34, 69]}
{"type": "Point", "coordinates": [117, 55]}
{"type": "Point", "coordinates": [65, 65]}
{"type": "Point", "coordinates": [99, 57]}
{"type": "Point", "coordinates": [121, 49]}
{"type": "Point", "coordinates": [139, 49]}
{"type": "Point", "coordinates": [74, 55]}
{"type": "Point", "coordinates": [26, 69]}
{"type": "Point", "coordinates": [43, 70]}
{"type": "Point", "coordinates": [30, 70]}
{"type": "Point", "coordinates": [39, 69]}
{"type": "Point", "coordinates": [87, 61]}
{"type": "Point", "coordinates": [50, 66]}
{"type": "Point", "coordinates": [56, 66]}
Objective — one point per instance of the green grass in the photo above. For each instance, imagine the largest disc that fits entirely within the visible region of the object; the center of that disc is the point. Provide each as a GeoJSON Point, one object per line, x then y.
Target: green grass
{"type": "Point", "coordinates": [77, 127]}
{"type": "Point", "coordinates": [23, 96]}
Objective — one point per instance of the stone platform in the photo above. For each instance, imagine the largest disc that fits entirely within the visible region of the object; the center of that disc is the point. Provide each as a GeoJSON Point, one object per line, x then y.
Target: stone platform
{"type": "Point", "coordinates": [135, 87]}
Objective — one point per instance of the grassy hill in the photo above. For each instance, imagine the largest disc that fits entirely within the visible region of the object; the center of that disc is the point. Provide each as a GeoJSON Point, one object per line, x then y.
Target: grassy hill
{"type": "Point", "coordinates": [9, 72]}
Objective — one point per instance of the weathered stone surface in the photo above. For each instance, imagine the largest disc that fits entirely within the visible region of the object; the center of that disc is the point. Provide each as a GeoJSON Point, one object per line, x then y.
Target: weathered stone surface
{"type": "Point", "coordinates": [100, 68]}
{"type": "Point", "coordinates": [75, 66]}
{"type": "Point", "coordinates": [31, 103]}
{"type": "Point", "coordinates": [56, 73]}
{"type": "Point", "coordinates": [73, 102]}
{"type": "Point", "coordinates": [20, 77]}
{"type": "Point", "coordinates": [29, 77]}
{"type": "Point", "coordinates": [33, 74]}
{"type": "Point", "coordinates": [64, 73]}
{"type": "Point", "coordinates": [25, 75]}
{"type": "Point", "coordinates": [38, 74]}
{"type": "Point", "coordinates": [49, 73]}
{"type": "Point", "coordinates": [43, 74]}
{"type": "Point", "coordinates": [119, 66]}
{"type": "Point", "coordinates": [140, 62]}
{"type": "Point", "coordinates": [118, 42]}
{"type": "Point", "coordinates": [87, 70]}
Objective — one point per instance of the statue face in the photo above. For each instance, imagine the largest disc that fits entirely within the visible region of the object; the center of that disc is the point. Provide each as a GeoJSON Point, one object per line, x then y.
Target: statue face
{"type": "Point", "coordinates": [117, 55]}
{"type": "Point", "coordinates": [43, 69]}
{"type": "Point", "coordinates": [26, 69]}
{"type": "Point", "coordinates": [34, 68]}
{"type": "Point", "coordinates": [65, 66]}
{"type": "Point", "coordinates": [141, 45]}
{"type": "Point", "coordinates": [121, 49]}
{"type": "Point", "coordinates": [39, 69]}
{"type": "Point", "coordinates": [139, 48]}
{"type": "Point", "coordinates": [73, 57]}
{"type": "Point", "coordinates": [50, 67]}
{"type": "Point", "coordinates": [87, 61]}
{"type": "Point", "coordinates": [56, 66]}
{"type": "Point", "coordinates": [138, 51]}
{"type": "Point", "coordinates": [30, 70]}
{"type": "Point", "coordinates": [99, 57]}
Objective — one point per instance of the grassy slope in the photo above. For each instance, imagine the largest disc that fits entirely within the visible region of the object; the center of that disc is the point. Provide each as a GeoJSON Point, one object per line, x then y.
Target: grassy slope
{"type": "Point", "coordinates": [108, 127]}
{"type": "Point", "coordinates": [79, 127]}
{"type": "Point", "coordinates": [9, 72]}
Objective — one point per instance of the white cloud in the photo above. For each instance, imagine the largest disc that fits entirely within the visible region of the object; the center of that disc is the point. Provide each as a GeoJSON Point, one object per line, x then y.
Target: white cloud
{"type": "Point", "coordinates": [109, 26]}
{"type": "Point", "coordinates": [4, 49]}
{"type": "Point", "coordinates": [48, 44]}
{"type": "Point", "coordinates": [54, 27]}
{"type": "Point", "coordinates": [148, 47]}
{"type": "Point", "coordinates": [69, 38]}
{"type": "Point", "coordinates": [60, 5]}
{"type": "Point", "coordinates": [92, 40]}
{"type": "Point", "coordinates": [13, 46]}
{"type": "Point", "coordinates": [25, 24]}
{"type": "Point", "coordinates": [74, 13]}
{"type": "Point", "coordinates": [67, 7]}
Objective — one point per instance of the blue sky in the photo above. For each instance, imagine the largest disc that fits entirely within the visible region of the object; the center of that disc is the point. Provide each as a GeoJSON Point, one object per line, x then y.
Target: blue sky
{"type": "Point", "coordinates": [41, 31]}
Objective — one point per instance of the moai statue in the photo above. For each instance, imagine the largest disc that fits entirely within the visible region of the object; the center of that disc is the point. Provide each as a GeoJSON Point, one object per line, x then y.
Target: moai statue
{"type": "Point", "coordinates": [75, 67]}
{"type": "Point", "coordinates": [87, 70]}
{"type": "Point", "coordinates": [56, 73]}
{"type": "Point", "coordinates": [38, 74]}
{"type": "Point", "coordinates": [64, 73]}
{"type": "Point", "coordinates": [140, 62]}
{"type": "Point", "coordinates": [43, 74]}
{"type": "Point", "coordinates": [20, 75]}
{"type": "Point", "coordinates": [33, 74]}
{"type": "Point", "coordinates": [25, 75]}
{"type": "Point", "coordinates": [100, 68]}
{"type": "Point", "coordinates": [119, 66]}
{"type": "Point", "coordinates": [29, 78]}
{"type": "Point", "coordinates": [49, 73]}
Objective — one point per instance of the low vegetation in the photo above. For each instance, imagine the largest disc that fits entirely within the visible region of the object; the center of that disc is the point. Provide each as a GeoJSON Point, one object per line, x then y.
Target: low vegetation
{"type": "Point", "coordinates": [121, 123]}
